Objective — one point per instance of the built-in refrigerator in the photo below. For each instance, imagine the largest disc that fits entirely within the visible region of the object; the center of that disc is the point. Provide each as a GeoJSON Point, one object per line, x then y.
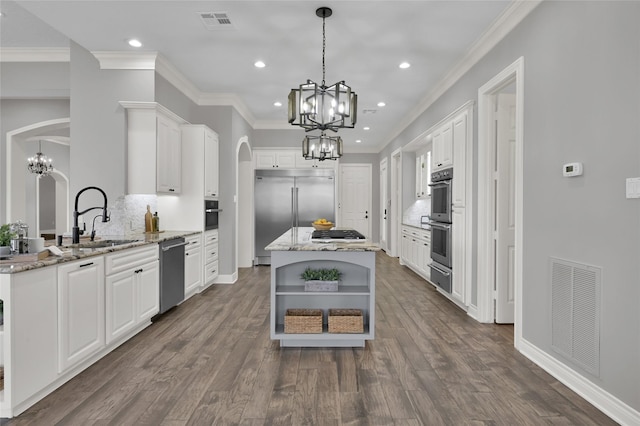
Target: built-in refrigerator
{"type": "Point", "coordinates": [289, 198]}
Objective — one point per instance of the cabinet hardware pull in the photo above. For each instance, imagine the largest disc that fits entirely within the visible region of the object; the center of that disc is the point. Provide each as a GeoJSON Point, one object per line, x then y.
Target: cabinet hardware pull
{"type": "Point", "coordinates": [86, 264]}
{"type": "Point", "coordinates": [137, 271]}
{"type": "Point", "coordinates": [171, 190]}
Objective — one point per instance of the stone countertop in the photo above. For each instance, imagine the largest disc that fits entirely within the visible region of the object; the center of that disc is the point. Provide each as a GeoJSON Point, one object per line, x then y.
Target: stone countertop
{"type": "Point", "coordinates": [75, 253]}
{"type": "Point", "coordinates": [299, 239]}
{"type": "Point", "coordinates": [417, 225]}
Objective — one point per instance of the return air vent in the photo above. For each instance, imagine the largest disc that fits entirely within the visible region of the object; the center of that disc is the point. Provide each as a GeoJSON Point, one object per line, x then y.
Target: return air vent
{"type": "Point", "coordinates": [215, 20]}
{"type": "Point", "coordinates": [369, 111]}
{"type": "Point", "coordinates": [575, 313]}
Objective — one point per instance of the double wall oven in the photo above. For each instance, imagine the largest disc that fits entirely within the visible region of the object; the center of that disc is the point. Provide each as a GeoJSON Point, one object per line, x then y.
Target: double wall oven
{"type": "Point", "coordinates": [441, 223]}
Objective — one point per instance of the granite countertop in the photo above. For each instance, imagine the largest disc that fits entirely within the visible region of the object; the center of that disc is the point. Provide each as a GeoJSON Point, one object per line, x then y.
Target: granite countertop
{"type": "Point", "coordinates": [75, 253]}
{"type": "Point", "coordinates": [417, 225]}
{"type": "Point", "coordinates": [299, 239]}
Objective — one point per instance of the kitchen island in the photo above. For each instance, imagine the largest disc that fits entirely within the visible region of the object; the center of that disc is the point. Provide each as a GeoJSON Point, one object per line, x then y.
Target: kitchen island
{"type": "Point", "coordinates": [291, 254]}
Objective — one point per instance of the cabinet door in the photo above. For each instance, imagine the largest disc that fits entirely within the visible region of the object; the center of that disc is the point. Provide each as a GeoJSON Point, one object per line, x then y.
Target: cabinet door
{"type": "Point", "coordinates": [419, 191]}
{"type": "Point", "coordinates": [286, 159]}
{"type": "Point", "coordinates": [426, 174]}
{"type": "Point", "coordinates": [443, 147]}
{"type": "Point", "coordinates": [211, 165]}
{"type": "Point", "coordinates": [425, 257]}
{"type": "Point", "coordinates": [34, 333]}
{"type": "Point", "coordinates": [414, 252]}
{"type": "Point", "coordinates": [192, 270]}
{"type": "Point", "coordinates": [406, 249]}
{"type": "Point", "coordinates": [121, 297]}
{"type": "Point", "coordinates": [169, 156]}
{"type": "Point", "coordinates": [458, 254]}
{"type": "Point", "coordinates": [81, 325]}
{"type": "Point", "coordinates": [148, 290]}
{"type": "Point", "coordinates": [459, 157]}
{"type": "Point", "coordinates": [265, 159]}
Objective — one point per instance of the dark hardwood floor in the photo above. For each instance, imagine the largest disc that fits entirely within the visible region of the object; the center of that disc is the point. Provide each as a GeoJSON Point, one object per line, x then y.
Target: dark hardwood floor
{"type": "Point", "coordinates": [210, 361]}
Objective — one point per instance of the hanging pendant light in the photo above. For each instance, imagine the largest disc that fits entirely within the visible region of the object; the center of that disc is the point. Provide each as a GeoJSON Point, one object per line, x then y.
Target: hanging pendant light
{"type": "Point", "coordinates": [39, 164]}
{"type": "Point", "coordinates": [322, 147]}
{"type": "Point", "coordinates": [318, 107]}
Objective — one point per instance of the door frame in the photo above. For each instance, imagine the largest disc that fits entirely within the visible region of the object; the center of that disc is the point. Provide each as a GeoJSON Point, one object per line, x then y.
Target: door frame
{"type": "Point", "coordinates": [396, 203]}
{"type": "Point", "coordinates": [370, 203]}
{"type": "Point", "coordinates": [384, 195]}
{"type": "Point", "coordinates": [243, 200]}
{"type": "Point", "coordinates": [514, 73]}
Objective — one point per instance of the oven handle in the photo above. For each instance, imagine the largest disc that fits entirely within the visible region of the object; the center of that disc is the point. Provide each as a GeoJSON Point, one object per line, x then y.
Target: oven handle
{"type": "Point", "coordinates": [212, 210]}
{"type": "Point", "coordinates": [442, 271]}
{"type": "Point", "coordinates": [442, 182]}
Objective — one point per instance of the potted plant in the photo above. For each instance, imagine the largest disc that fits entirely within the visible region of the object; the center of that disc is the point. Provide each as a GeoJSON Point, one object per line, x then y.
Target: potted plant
{"type": "Point", "coordinates": [322, 279]}
{"type": "Point", "coordinates": [5, 239]}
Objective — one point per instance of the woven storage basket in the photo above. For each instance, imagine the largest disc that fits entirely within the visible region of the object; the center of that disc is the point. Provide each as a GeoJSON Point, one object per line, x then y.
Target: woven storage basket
{"type": "Point", "coordinates": [303, 321]}
{"type": "Point", "coordinates": [346, 321]}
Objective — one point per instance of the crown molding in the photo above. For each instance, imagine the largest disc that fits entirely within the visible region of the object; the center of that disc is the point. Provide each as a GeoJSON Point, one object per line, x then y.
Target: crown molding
{"type": "Point", "coordinates": [112, 60]}
{"type": "Point", "coordinates": [35, 54]}
{"type": "Point", "coordinates": [501, 26]}
{"type": "Point", "coordinates": [228, 99]}
{"type": "Point", "coordinates": [272, 125]}
{"type": "Point", "coordinates": [173, 75]}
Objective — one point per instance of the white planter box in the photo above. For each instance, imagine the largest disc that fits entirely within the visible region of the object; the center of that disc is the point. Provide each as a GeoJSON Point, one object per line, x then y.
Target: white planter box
{"type": "Point", "coordinates": [319, 285]}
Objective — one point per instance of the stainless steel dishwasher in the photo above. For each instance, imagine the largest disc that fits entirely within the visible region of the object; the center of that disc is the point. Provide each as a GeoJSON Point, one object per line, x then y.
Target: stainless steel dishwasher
{"type": "Point", "coordinates": [171, 273]}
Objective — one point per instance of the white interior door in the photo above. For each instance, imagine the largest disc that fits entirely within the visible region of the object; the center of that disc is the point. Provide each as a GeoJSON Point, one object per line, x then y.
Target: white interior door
{"type": "Point", "coordinates": [396, 202]}
{"type": "Point", "coordinates": [384, 205]}
{"type": "Point", "coordinates": [355, 197]}
{"type": "Point", "coordinates": [505, 223]}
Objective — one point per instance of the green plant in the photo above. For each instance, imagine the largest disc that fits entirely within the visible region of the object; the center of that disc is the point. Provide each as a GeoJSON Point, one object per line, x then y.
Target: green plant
{"type": "Point", "coordinates": [322, 274]}
{"type": "Point", "coordinates": [6, 235]}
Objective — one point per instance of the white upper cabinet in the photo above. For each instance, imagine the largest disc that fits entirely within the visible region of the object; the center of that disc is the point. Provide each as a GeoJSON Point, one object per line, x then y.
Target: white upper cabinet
{"type": "Point", "coordinates": [271, 158]}
{"type": "Point", "coordinates": [211, 163]}
{"type": "Point", "coordinates": [154, 150]}
{"type": "Point", "coordinates": [459, 155]}
{"type": "Point", "coordinates": [442, 156]}
{"type": "Point", "coordinates": [423, 175]}
{"type": "Point", "coordinates": [168, 156]}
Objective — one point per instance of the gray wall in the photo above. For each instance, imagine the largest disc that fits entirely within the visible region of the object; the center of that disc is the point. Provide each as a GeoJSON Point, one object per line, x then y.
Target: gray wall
{"type": "Point", "coordinates": [98, 124]}
{"type": "Point", "coordinates": [581, 91]}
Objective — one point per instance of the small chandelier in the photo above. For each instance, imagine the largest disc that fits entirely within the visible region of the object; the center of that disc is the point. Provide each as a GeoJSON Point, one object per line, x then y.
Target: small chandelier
{"type": "Point", "coordinates": [318, 107]}
{"type": "Point", "coordinates": [40, 164]}
{"type": "Point", "coordinates": [322, 147]}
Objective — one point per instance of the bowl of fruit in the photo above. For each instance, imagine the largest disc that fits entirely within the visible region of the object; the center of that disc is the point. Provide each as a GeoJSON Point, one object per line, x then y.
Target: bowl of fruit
{"type": "Point", "coordinates": [322, 224]}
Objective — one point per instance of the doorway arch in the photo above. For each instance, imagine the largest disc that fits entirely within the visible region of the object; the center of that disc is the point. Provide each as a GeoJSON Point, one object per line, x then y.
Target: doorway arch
{"type": "Point", "coordinates": [15, 177]}
{"type": "Point", "coordinates": [244, 204]}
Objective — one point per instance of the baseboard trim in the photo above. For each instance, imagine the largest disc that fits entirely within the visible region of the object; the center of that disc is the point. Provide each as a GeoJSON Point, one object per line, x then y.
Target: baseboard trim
{"type": "Point", "coordinates": [595, 395]}
{"type": "Point", "coordinates": [226, 278]}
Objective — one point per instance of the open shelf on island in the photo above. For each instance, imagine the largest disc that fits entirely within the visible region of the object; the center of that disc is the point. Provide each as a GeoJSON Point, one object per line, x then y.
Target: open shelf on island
{"type": "Point", "coordinates": [343, 290]}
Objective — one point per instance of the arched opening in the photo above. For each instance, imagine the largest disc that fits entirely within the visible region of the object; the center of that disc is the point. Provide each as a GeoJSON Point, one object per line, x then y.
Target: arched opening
{"type": "Point", "coordinates": [23, 188]}
{"type": "Point", "coordinates": [244, 205]}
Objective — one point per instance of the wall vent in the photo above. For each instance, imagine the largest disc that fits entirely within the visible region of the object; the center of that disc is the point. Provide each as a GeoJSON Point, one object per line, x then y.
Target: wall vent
{"type": "Point", "coordinates": [575, 312]}
{"type": "Point", "coordinates": [215, 20]}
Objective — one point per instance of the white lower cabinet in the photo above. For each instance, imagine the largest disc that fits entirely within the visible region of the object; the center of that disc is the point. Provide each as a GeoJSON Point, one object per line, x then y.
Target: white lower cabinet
{"type": "Point", "coordinates": [458, 259]}
{"type": "Point", "coordinates": [192, 265]}
{"type": "Point", "coordinates": [416, 250]}
{"type": "Point", "coordinates": [81, 320]}
{"type": "Point", "coordinates": [210, 257]}
{"type": "Point", "coordinates": [132, 290]}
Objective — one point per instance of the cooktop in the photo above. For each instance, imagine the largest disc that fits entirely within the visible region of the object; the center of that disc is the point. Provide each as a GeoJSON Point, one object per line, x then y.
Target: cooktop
{"type": "Point", "coordinates": [337, 235]}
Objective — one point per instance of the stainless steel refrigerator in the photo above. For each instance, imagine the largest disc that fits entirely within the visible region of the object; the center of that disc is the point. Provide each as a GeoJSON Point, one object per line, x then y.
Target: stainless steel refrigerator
{"type": "Point", "coordinates": [289, 198]}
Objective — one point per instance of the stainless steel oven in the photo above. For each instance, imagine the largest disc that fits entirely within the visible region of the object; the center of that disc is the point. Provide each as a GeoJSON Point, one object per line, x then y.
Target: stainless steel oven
{"type": "Point", "coordinates": [441, 243]}
{"type": "Point", "coordinates": [441, 202]}
{"type": "Point", "coordinates": [211, 212]}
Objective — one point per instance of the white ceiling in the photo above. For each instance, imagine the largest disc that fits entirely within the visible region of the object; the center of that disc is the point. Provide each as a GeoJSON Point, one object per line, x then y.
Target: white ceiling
{"type": "Point", "coordinates": [366, 40]}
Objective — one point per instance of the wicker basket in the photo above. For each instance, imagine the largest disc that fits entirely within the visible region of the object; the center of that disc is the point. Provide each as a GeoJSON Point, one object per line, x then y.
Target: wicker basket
{"type": "Point", "coordinates": [346, 321]}
{"type": "Point", "coordinates": [303, 321]}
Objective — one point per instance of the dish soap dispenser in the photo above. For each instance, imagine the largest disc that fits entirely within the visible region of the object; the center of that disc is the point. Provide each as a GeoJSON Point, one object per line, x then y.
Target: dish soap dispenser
{"type": "Point", "coordinates": [148, 220]}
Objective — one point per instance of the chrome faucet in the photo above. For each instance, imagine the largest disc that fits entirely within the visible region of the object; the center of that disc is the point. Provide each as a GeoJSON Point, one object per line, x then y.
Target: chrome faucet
{"type": "Point", "coordinates": [75, 231]}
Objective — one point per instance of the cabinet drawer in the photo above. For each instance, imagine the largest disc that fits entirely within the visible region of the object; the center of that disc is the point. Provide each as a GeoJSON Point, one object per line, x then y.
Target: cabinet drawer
{"type": "Point", "coordinates": [211, 253]}
{"type": "Point", "coordinates": [193, 242]}
{"type": "Point", "coordinates": [210, 237]}
{"type": "Point", "coordinates": [130, 258]}
{"type": "Point", "coordinates": [211, 271]}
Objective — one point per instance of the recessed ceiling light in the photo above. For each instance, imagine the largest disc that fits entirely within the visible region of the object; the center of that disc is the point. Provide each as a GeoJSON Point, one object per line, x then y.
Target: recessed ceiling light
{"type": "Point", "coordinates": [404, 65]}
{"type": "Point", "coordinates": [259, 64]}
{"type": "Point", "coordinates": [277, 104]}
{"type": "Point", "coordinates": [381, 104]}
{"type": "Point", "coordinates": [358, 140]}
{"type": "Point", "coordinates": [2, 14]}
{"type": "Point", "coordinates": [135, 43]}
{"type": "Point", "coordinates": [365, 128]}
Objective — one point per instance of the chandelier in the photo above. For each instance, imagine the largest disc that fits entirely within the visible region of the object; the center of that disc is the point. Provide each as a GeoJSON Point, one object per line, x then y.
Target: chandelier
{"type": "Point", "coordinates": [322, 147]}
{"type": "Point", "coordinates": [39, 164]}
{"type": "Point", "coordinates": [318, 107]}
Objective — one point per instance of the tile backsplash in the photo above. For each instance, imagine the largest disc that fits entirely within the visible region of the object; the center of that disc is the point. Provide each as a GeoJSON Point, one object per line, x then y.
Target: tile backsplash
{"type": "Point", "coordinates": [127, 215]}
{"type": "Point", "coordinates": [412, 214]}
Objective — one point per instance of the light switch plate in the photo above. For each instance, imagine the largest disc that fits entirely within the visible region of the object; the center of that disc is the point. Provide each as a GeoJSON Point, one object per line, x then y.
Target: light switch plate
{"type": "Point", "coordinates": [633, 187]}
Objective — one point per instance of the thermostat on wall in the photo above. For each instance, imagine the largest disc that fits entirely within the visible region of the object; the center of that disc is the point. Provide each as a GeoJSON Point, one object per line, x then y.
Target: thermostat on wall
{"type": "Point", "coordinates": [572, 169]}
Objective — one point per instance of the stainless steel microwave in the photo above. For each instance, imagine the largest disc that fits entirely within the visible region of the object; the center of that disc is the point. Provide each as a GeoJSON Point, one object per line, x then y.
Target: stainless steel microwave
{"type": "Point", "coordinates": [211, 212]}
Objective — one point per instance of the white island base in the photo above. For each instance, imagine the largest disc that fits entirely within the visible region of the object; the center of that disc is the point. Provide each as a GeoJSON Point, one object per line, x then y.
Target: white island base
{"type": "Point", "coordinates": [356, 289]}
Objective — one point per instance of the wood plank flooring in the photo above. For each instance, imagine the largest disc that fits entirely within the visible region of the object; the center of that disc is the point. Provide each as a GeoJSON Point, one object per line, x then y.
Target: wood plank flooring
{"type": "Point", "coordinates": [210, 361]}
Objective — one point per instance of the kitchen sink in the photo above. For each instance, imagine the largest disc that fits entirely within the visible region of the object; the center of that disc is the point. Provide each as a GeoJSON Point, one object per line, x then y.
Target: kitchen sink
{"type": "Point", "coordinates": [100, 244]}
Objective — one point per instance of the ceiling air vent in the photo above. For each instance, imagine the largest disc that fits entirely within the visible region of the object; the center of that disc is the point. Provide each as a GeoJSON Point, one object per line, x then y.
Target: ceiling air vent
{"type": "Point", "coordinates": [369, 111]}
{"type": "Point", "coordinates": [215, 20]}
